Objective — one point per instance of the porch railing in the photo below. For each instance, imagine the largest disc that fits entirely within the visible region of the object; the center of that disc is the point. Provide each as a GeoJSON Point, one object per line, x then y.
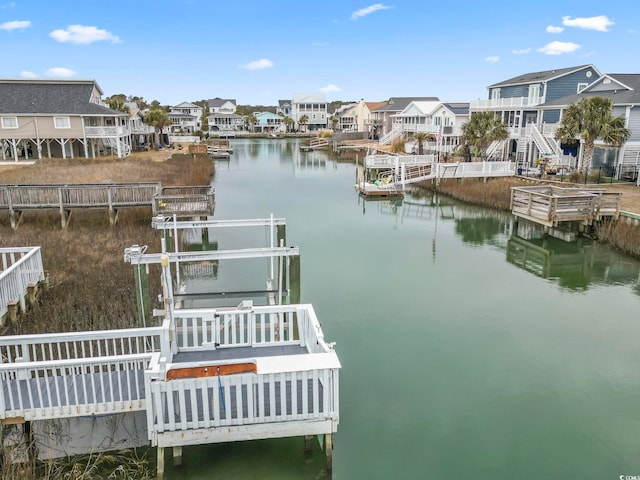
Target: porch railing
{"type": "Point", "coordinates": [21, 267]}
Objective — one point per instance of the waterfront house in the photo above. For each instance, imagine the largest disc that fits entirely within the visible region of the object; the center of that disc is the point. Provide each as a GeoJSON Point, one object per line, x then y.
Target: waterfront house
{"type": "Point", "coordinates": [141, 134]}
{"type": "Point", "coordinates": [624, 91]}
{"type": "Point", "coordinates": [311, 106]}
{"type": "Point", "coordinates": [365, 118]}
{"type": "Point", "coordinates": [185, 117]}
{"type": "Point", "coordinates": [284, 108]}
{"type": "Point", "coordinates": [59, 118]}
{"type": "Point", "coordinates": [346, 118]}
{"type": "Point", "coordinates": [383, 116]}
{"type": "Point", "coordinates": [268, 122]}
{"type": "Point", "coordinates": [517, 100]}
{"type": "Point", "coordinates": [222, 105]}
{"type": "Point", "coordinates": [222, 116]}
{"type": "Point", "coordinates": [440, 120]}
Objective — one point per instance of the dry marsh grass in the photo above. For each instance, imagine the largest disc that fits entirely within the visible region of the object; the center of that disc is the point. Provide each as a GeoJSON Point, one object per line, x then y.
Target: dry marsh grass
{"type": "Point", "coordinates": [621, 235]}
{"type": "Point", "coordinates": [90, 285]}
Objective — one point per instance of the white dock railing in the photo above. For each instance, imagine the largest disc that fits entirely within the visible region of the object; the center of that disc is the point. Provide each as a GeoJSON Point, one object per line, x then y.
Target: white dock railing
{"type": "Point", "coordinates": [20, 268]}
{"type": "Point", "coordinates": [76, 374]}
{"type": "Point", "coordinates": [276, 388]}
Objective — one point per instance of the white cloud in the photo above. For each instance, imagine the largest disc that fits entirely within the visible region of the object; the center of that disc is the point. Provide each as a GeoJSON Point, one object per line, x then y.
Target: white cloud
{"type": "Point", "coordinates": [258, 64]}
{"type": "Point", "coordinates": [554, 29]}
{"type": "Point", "coordinates": [83, 35]}
{"type": "Point", "coordinates": [331, 88]}
{"type": "Point", "coordinates": [60, 72]}
{"type": "Point", "coordinates": [15, 25]}
{"type": "Point", "coordinates": [367, 10]}
{"type": "Point", "coordinates": [27, 74]}
{"type": "Point", "coordinates": [492, 59]}
{"type": "Point", "coordinates": [600, 23]}
{"type": "Point", "coordinates": [522, 51]}
{"type": "Point", "coordinates": [558, 48]}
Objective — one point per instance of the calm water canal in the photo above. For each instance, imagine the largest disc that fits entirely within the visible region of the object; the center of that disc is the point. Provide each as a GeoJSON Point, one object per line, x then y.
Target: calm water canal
{"type": "Point", "coordinates": [466, 352]}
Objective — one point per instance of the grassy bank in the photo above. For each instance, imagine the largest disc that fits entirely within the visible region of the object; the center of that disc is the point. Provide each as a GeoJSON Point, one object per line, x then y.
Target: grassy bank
{"type": "Point", "coordinates": [496, 193]}
{"type": "Point", "coordinates": [90, 285]}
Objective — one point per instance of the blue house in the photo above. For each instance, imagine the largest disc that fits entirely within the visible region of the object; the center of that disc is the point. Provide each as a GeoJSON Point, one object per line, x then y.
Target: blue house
{"type": "Point", "coordinates": [517, 100]}
{"type": "Point", "coordinates": [268, 122]}
{"type": "Point", "coordinates": [624, 91]}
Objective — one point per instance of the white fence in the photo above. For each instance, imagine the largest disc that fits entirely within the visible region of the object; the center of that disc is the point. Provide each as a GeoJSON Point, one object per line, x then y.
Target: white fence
{"type": "Point", "coordinates": [76, 374]}
{"type": "Point", "coordinates": [21, 267]}
{"type": "Point", "coordinates": [301, 388]}
{"type": "Point", "coordinates": [98, 132]}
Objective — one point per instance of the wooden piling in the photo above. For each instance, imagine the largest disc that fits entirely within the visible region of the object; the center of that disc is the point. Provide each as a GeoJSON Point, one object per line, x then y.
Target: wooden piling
{"type": "Point", "coordinates": [160, 464]}
{"type": "Point", "coordinates": [177, 456]}
{"type": "Point", "coordinates": [308, 444]}
{"type": "Point", "coordinates": [328, 450]}
{"type": "Point", "coordinates": [32, 293]}
{"type": "Point", "coordinates": [294, 275]}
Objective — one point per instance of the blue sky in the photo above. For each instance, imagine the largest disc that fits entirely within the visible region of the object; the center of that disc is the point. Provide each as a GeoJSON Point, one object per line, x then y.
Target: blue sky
{"type": "Point", "coordinates": [260, 51]}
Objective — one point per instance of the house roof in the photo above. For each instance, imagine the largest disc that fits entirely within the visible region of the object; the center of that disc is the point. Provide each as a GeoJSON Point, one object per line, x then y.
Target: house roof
{"type": "Point", "coordinates": [544, 76]}
{"type": "Point", "coordinates": [308, 98]}
{"type": "Point", "coordinates": [624, 90]}
{"type": "Point", "coordinates": [373, 105]}
{"type": "Point", "coordinates": [397, 104]}
{"type": "Point", "coordinates": [423, 107]}
{"type": "Point", "coordinates": [282, 103]}
{"type": "Point", "coordinates": [54, 97]}
{"type": "Point", "coordinates": [218, 102]}
{"type": "Point", "coordinates": [459, 108]}
{"type": "Point", "coordinates": [186, 105]}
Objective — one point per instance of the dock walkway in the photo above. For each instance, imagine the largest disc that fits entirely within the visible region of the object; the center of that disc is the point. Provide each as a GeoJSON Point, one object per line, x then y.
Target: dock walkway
{"type": "Point", "coordinates": [21, 271]}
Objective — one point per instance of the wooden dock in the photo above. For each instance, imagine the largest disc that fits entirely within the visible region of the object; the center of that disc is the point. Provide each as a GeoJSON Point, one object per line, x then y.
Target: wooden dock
{"type": "Point", "coordinates": [315, 144]}
{"type": "Point", "coordinates": [186, 201]}
{"type": "Point", "coordinates": [551, 206]}
{"type": "Point", "coordinates": [205, 375]}
{"type": "Point", "coordinates": [113, 196]}
{"type": "Point", "coordinates": [183, 201]}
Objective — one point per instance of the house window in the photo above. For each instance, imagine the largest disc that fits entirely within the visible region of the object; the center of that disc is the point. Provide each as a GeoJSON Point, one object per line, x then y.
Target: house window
{"type": "Point", "coordinates": [534, 94]}
{"type": "Point", "coordinates": [9, 122]}
{"type": "Point", "coordinates": [495, 93]}
{"type": "Point", "coordinates": [61, 122]}
{"type": "Point", "coordinates": [582, 86]}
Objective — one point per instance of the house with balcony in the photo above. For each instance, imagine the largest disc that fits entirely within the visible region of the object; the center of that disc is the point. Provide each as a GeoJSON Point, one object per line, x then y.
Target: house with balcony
{"type": "Point", "coordinates": [517, 102]}
{"type": "Point", "coordinates": [267, 122]}
{"type": "Point", "coordinates": [222, 117]}
{"type": "Point", "coordinates": [59, 119]}
{"type": "Point", "coordinates": [311, 107]}
{"type": "Point", "coordinates": [185, 117]}
{"type": "Point", "coordinates": [365, 117]}
{"type": "Point", "coordinates": [624, 91]}
{"type": "Point", "coordinates": [345, 118]}
{"type": "Point", "coordinates": [142, 135]}
{"type": "Point", "coordinates": [441, 121]}
{"type": "Point", "coordinates": [383, 116]}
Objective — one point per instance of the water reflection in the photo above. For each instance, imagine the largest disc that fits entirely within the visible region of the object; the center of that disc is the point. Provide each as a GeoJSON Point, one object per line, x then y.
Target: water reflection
{"type": "Point", "coordinates": [574, 265]}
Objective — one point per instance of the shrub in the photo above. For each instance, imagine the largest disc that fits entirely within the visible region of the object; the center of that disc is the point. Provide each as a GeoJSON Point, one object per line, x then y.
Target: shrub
{"type": "Point", "coordinates": [398, 145]}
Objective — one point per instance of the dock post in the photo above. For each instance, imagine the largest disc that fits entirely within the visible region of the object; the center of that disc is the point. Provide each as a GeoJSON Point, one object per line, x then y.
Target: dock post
{"type": "Point", "coordinates": [32, 292]}
{"type": "Point", "coordinates": [113, 216]}
{"type": "Point", "coordinates": [15, 221]}
{"type": "Point", "coordinates": [294, 275]}
{"type": "Point", "coordinates": [143, 299]}
{"type": "Point", "coordinates": [328, 450]}
{"type": "Point", "coordinates": [177, 456]}
{"type": "Point", "coordinates": [12, 309]}
{"type": "Point", "coordinates": [281, 240]}
{"type": "Point", "coordinates": [308, 444]}
{"type": "Point", "coordinates": [160, 463]}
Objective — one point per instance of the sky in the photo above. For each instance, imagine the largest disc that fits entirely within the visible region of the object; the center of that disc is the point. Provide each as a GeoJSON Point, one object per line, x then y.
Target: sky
{"type": "Point", "coordinates": [260, 51]}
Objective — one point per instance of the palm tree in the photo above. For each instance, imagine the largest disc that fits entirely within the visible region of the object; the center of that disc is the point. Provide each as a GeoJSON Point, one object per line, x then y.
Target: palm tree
{"type": "Point", "coordinates": [482, 129]}
{"type": "Point", "coordinates": [250, 120]}
{"type": "Point", "coordinates": [158, 119]}
{"type": "Point", "coordinates": [288, 122]}
{"type": "Point", "coordinates": [334, 121]}
{"type": "Point", "coordinates": [303, 120]}
{"type": "Point", "coordinates": [589, 119]}
{"type": "Point", "coordinates": [420, 138]}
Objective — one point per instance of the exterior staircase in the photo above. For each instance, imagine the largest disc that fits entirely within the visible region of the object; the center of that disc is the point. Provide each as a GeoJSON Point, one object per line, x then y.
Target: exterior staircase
{"type": "Point", "coordinates": [389, 137]}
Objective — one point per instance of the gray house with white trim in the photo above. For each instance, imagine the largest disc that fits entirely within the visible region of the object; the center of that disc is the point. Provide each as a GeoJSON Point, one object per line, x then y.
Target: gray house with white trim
{"type": "Point", "coordinates": [59, 119]}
